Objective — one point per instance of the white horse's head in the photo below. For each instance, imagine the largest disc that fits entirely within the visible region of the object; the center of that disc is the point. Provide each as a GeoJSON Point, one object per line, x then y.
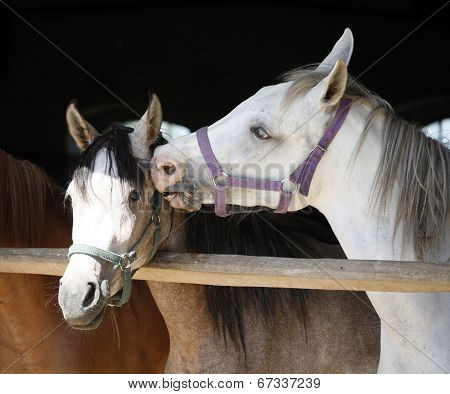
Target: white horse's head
{"type": "Point", "coordinates": [255, 139]}
{"type": "Point", "coordinates": [111, 195]}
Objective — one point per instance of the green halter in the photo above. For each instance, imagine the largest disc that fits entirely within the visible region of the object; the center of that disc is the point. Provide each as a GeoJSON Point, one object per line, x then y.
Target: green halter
{"type": "Point", "coordinates": [124, 261]}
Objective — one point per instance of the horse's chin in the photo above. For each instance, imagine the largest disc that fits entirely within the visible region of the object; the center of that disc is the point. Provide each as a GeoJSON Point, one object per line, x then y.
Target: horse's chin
{"type": "Point", "coordinates": [192, 202]}
{"type": "Point", "coordinates": [183, 200]}
{"type": "Point", "coordinates": [93, 324]}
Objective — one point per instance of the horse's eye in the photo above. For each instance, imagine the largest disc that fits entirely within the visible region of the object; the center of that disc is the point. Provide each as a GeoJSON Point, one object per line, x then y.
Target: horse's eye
{"type": "Point", "coordinates": [134, 195]}
{"type": "Point", "coordinates": [260, 133]}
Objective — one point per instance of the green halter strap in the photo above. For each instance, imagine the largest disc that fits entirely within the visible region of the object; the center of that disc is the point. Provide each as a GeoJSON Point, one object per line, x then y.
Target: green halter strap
{"type": "Point", "coordinates": [124, 261]}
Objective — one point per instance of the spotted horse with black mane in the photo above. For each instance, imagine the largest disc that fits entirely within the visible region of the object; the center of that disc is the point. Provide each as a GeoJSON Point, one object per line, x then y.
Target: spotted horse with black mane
{"type": "Point", "coordinates": [118, 212]}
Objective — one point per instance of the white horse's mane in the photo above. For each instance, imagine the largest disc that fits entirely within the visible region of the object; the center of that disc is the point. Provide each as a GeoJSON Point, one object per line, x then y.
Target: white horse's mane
{"type": "Point", "coordinates": [419, 164]}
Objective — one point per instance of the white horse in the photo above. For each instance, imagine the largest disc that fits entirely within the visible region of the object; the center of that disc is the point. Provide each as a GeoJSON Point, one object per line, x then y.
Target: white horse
{"type": "Point", "coordinates": [383, 185]}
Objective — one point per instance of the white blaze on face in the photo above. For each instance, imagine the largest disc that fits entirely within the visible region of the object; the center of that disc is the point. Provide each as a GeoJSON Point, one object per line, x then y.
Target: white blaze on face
{"type": "Point", "coordinates": [102, 217]}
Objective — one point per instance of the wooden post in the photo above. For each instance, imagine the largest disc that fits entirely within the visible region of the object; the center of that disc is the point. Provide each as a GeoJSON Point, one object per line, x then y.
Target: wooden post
{"type": "Point", "coordinates": [250, 271]}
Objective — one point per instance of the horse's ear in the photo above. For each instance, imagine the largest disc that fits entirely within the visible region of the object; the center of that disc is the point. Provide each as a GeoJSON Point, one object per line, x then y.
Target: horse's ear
{"type": "Point", "coordinates": [343, 50]}
{"type": "Point", "coordinates": [147, 130]}
{"type": "Point", "coordinates": [81, 130]}
{"type": "Point", "coordinates": [154, 117]}
{"type": "Point", "coordinates": [330, 90]}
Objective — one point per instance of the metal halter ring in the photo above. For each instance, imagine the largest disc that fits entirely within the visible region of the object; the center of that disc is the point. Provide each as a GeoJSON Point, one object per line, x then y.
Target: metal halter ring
{"type": "Point", "coordinates": [128, 265]}
{"type": "Point", "coordinates": [130, 257]}
{"type": "Point", "coordinates": [288, 186]}
{"type": "Point", "coordinates": [155, 219]}
{"type": "Point", "coordinates": [221, 181]}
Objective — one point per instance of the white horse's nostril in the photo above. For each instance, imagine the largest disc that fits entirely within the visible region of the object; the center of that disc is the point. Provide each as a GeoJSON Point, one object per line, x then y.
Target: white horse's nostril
{"type": "Point", "coordinates": [90, 295]}
{"type": "Point", "coordinates": [169, 169]}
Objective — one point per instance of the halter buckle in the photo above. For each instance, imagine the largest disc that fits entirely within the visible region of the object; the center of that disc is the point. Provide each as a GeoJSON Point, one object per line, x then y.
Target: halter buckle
{"type": "Point", "coordinates": [288, 186]}
{"type": "Point", "coordinates": [221, 181]}
{"type": "Point", "coordinates": [321, 148]}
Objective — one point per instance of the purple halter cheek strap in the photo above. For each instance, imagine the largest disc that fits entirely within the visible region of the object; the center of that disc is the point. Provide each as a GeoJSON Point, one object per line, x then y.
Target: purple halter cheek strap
{"type": "Point", "coordinates": [299, 180]}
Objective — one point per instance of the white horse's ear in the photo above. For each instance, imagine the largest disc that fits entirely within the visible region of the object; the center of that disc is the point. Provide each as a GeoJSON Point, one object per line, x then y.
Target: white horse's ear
{"type": "Point", "coordinates": [330, 90]}
{"type": "Point", "coordinates": [81, 130]}
{"type": "Point", "coordinates": [147, 130]}
{"type": "Point", "coordinates": [343, 50]}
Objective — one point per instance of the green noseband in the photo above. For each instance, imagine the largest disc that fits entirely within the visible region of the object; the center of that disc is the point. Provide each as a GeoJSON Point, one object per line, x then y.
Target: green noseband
{"type": "Point", "coordinates": [124, 261]}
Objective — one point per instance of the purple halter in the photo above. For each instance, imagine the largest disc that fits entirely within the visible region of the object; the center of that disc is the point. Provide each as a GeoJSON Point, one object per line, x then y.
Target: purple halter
{"type": "Point", "coordinates": [299, 180]}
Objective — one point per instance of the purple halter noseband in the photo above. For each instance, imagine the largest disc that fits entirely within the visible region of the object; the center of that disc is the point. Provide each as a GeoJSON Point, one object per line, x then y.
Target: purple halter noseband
{"type": "Point", "coordinates": [299, 180]}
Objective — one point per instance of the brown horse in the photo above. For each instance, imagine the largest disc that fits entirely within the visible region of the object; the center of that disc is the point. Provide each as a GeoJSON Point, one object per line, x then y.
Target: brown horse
{"type": "Point", "coordinates": [33, 336]}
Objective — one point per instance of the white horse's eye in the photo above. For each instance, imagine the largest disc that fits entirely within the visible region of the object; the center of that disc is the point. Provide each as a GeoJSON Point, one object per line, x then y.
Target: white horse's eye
{"type": "Point", "coordinates": [260, 133]}
{"type": "Point", "coordinates": [134, 196]}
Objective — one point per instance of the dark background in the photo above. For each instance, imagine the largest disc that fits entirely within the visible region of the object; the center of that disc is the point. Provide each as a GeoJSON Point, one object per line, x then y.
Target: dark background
{"type": "Point", "coordinates": [202, 58]}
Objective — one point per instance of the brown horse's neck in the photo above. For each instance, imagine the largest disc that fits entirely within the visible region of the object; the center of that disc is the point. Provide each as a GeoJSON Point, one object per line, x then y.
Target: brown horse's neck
{"type": "Point", "coordinates": [342, 335]}
{"type": "Point", "coordinates": [173, 229]}
{"type": "Point", "coordinates": [194, 344]}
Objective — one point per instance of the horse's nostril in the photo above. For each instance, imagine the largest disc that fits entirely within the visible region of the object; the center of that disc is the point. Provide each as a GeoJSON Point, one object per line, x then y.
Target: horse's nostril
{"type": "Point", "coordinates": [169, 169]}
{"type": "Point", "coordinates": [90, 295]}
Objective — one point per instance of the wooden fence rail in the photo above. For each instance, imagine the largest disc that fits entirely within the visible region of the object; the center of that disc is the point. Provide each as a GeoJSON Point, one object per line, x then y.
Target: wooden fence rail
{"type": "Point", "coordinates": [232, 270]}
